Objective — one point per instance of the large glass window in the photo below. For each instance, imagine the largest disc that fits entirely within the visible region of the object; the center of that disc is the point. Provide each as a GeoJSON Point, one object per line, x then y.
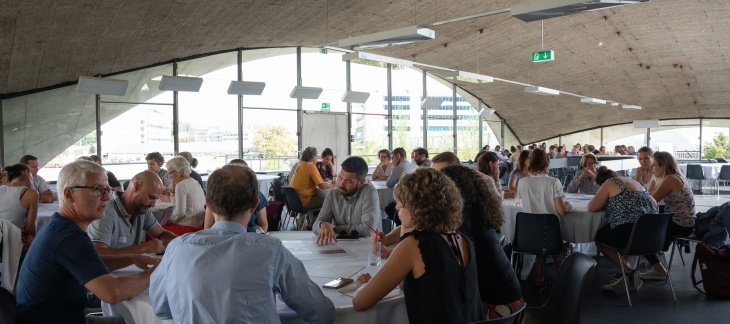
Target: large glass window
{"type": "Point", "coordinates": [407, 84]}
{"type": "Point", "coordinates": [278, 68]}
{"type": "Point", "coordinates": [331, 79]}
{"type": "Point", "coordinates": [715, 133]}
{"type": "Point", "coordinates": [274, 139]}
{"type": "Point", "coordinates": [208, 126]}
{"type": "Point", "coordinates": [369, 120]}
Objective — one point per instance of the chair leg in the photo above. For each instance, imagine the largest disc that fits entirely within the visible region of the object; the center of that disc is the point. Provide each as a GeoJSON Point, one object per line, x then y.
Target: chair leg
{"type": "Point", "coordinates": [626, 279]}
{"type": "Point", "coordinates": [681, 257]}
{"type": "Point", "coordinates": [671, 257]}
{"type": "Point", "coordinates": [669, 277]}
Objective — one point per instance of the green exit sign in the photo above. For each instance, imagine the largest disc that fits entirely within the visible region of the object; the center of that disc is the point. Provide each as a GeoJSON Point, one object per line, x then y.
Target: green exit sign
{"type": "Point", "coordinates": [325, 105]}
{"type": "Point", "coordinates": [323, 50]}
{"type": "Point", "coordinates": [543, 56]}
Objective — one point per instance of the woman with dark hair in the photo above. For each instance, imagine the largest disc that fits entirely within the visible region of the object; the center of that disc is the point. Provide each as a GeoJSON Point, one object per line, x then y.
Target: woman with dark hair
{"type": "Point", "coordinates": [518, 173]}
{"type": "Point", "coordinates": [488, 164]}
{"type": "Point", "coordinates": [498, 285]}
{"type": "Point", "coordinates": [671, 186]}
{"type": "Point", "coordinates": [326, 167]}
{"type": "Point", "coordinates": [432, 258]}
{"type": "Point", "coordinates": [624, 200]}
{"type": "Point", "coordinates": [19, 203]}
{"type": "Point", "coordinates": [585, 179]}
{"type": "Point", "coordinates": [542, 194]}
{"type": "Point", "coordinates": [385, 167]}
{"type": "Point", "coordinates": [155, 161]}
{"type": "Point", "coordinates": [644, 174]}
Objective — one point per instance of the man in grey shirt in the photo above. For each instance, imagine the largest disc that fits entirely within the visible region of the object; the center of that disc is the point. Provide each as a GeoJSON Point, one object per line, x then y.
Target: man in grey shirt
{"type": "Point", "coordinates": [354, 205]}
{"type": "Point", "coordinates": [128, 218]}
{"type": "Point", "coordinates": [401, 165]}
{"type": "Point", "coordinates": [420, 157]}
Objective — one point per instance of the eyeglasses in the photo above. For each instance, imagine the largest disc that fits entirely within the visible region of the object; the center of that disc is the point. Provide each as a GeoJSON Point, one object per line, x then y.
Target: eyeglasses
{"type": "Point", "coordinates": [592, 163]}
{"type": "Point", "coordinates": [98, 189]}
{"type": "Point", "coordinates": [383, 156]}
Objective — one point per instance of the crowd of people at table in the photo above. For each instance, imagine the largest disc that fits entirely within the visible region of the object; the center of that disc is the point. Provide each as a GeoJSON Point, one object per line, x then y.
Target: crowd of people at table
{"type": "Point", "coordinates": [448, 214]}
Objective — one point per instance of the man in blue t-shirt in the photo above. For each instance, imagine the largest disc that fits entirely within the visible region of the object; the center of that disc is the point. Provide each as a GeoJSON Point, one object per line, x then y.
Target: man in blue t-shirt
{"type": "Point", "coordinates": [62, 263]}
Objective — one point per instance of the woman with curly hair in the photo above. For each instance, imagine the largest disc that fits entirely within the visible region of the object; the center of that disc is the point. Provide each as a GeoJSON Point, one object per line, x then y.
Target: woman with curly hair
{"type": "Point", "coordinates": [155, 161]}
{"type": "Point", "coordinates": [498, 285]}
{"type": "Point", "coordinates": [432, 258]}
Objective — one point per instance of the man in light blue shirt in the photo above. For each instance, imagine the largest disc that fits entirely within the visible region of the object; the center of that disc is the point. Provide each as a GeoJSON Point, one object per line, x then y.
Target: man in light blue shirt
{"type": "Point", "coordinates": [401, 165]}
{"type": "Point", "coordinates": [226, 275]}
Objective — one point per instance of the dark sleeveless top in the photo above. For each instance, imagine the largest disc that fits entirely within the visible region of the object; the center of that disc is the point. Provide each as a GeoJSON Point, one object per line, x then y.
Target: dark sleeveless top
{"type": "Point", "coordinates": [628, 206]}
{"type": "Point", "coordinates": [447, 292]}
{"type": "Point", "coordinates": [498, 282]}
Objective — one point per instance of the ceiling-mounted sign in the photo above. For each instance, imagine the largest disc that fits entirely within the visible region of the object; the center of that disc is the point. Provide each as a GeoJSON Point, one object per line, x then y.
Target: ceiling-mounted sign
{"type": "Point", "coordinates": [325, 105]}
{"type": "Point", "coordinates": [543, 56]}
{"type": "Point", "coordinates": [323, 50]}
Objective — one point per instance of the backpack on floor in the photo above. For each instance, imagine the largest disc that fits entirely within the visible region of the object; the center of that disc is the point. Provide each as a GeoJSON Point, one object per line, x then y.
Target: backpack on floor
{"type": "Point", "coordinates": [273, 214]}
{"type": "Point", "coordinates": [714, 265]}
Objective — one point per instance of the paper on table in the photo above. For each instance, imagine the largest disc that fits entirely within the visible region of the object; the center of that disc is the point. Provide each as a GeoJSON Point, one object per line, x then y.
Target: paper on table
{"type": "Point", "coordinates": [307, 251]}
{"type": "Point", "coordinates": [350, 289]}
{"type": "Point", "coordinates": [334, 271]}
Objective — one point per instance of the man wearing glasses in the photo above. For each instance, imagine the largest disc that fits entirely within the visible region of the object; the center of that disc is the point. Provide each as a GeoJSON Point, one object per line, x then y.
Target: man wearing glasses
{"type": "Point", "coordinates": [354, 205]}
{"type": "Point", "coordinates": [129, 217]}
{"type": "Point", "coordinates": [62, 263]}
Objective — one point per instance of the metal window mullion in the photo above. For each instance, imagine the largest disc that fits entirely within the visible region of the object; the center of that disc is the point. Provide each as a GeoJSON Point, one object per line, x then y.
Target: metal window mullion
{"type": "Point", "coordinates": [300, 102]}
{"type": "Point", "coordinates": [240, 106]}
{"type": "Point", "coordinates": [348, 87]}
{"type": "Point", "coordinates": [390, 106]}
{"type": "Point", "coordinates": [98, 125]}
{"type": "Point", "coordinates": [175, 116]}
{"type": "Point", "coordinates": [453, 104]}
{"type": "Point", "coordinates": [425, 113]}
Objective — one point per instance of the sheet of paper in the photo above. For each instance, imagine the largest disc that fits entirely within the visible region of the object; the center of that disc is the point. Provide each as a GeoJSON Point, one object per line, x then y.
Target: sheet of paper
{"type": "Point", "coordinates": [307, 251]}
{"type": "Point", "coordinates": [334, 271]}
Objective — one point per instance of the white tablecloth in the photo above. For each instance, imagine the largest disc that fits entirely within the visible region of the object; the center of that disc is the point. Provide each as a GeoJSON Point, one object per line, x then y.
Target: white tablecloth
{"type": "Point", "coordinates": [579, 225]}
{"type": "Point", "coordinates": [46, 210]}
{"type": "Point", "coordinates": [385, 194]}
{"type": "Point", "coordinates": [265, 181]}
{"type": "Point", "coordinates": [138, 310]}
{"type": "Point", "coordinates": [711, 170]}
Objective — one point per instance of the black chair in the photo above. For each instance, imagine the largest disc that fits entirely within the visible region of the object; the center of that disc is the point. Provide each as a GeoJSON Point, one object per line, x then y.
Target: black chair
{"type": "Point", "coordinates": [695, 172]}
{"type": "Point", "coordinates": [537, 234]}
{"type": "Point", "coordinates": [7, 307]}
{"type": "Point", "coordinates": [648, 236]}
{"type": "Point", "coordinates": [388, 225]}
{"type": "Point", "coordinates": [513, 318]}
{"type": "Point", "coordinates": [724, 177]}
{"type": "Point", "coordinates": [677, 241]}
{"type": "Point", "coordinates": [566, 298]}
{"type": "Point", "coordinates": [278, 187]}
{"type": "Point", "coordinates": [294, 205]}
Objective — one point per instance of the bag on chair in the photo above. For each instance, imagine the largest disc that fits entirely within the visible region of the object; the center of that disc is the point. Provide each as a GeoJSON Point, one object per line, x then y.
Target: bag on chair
{"type": "Point", "coordinates": [714, 265]}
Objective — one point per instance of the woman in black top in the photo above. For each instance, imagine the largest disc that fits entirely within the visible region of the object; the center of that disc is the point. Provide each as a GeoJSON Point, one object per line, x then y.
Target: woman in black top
{"type": "Point", "coordinates": [433, 262]}
{"type": "Point", "coordinates": [482, 216]}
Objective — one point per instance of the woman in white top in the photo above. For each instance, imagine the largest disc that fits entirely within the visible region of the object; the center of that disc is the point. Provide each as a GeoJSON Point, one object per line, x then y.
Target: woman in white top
{"type": "Point", "coordinates": [644, 174]}
{"type": "Point", "coordinates": [19, 203]}
{"type": "Point", "coordinates": [385, 167]}
{"type": "Point", "coordinates": [541, 194]}
{"type": "Point", "coordinates": [188, 197]}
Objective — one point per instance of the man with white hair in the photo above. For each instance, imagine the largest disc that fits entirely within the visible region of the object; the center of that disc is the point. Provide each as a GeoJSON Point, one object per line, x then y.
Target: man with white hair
{"type": "Point", "coordinates": [62, 263]}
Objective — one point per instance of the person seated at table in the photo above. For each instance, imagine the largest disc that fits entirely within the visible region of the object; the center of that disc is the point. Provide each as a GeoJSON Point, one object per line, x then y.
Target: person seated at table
{"type": "Point", "coordinates": [188, 197]}
{"type": "Point", "coordinates": [129, 218]}
{"type": "Point", "coordinates": [45, 195]}
{"type": "Point", "coordinates": [585, 178]}
{"type": "Point", "coordinates": [434, 257]}
{"type": "Point", "coordinates": [602, 151]}
{"type": "Point", "coordinates": [644, 174]}
{"type": "Point", "coordinates": [624, 201]}
{"type": "Point", "coordinates": [326, 167]}
{"type": "Point", "coordinates": [3, 176]}
{"type": "Point", "coordinates": [481, 218]}
{"type": "Point", "coordinates": [385, 167]}
{"type": "Point", "coordinates": [444, 159]}
{"type": "Point", "coordinates": [671, 186]}
{"type": "Point", "coordinates": [518, 173]}
{"type": "Point", "coordinates": [193, 164]}
{"type": "Point", "coordinates": [630, 150]}
{"type": "Point", "coordinates": [62, 264]}
{"type": "Point", "coordinates": [488, 164]}
{"type": "Point", "coordinates": [113, 181]}
{"type": "Point", "coordinates": [542, 194]}
{"type": "Point", "coordinates": [401, 166]}
{"type": "Point", "coordinates": [354, 206]}
{"type": "Point", "coordinates": [247, 270]}
{"type": "Point", "coordinates": [155, 160]}
{"type": "Point", "coordinates": [420, 157]}
{"type": "Point", "coordinates": [258, 220]}
{"type": "Point", "coordinates": [619, 150]}
{"type": "Point", "coordinates": [19, 203]}
{"type": "Point", "coordinates": [307, 180]}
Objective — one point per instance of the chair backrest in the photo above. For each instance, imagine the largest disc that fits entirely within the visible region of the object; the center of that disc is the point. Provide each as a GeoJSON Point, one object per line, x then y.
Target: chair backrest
{"type": "Point", "coordinates": [724, 172]}
{"type": "Point", "coordinates": [293, 202]}
{"type": "Point", "coordinates": [649, 234]}
{"type": "Point", "coordinates": [278, 186]}
{"type": "Point", "coordinates": [510, 319]}
{"type": "Point", "coordinates": [388, 225]}
{"type": "Point", "coordinates": [535, 232]}
{"type": "Point", "coordinates": [566, 297]}
{"type": "Point", "coordinates": [695, 172]}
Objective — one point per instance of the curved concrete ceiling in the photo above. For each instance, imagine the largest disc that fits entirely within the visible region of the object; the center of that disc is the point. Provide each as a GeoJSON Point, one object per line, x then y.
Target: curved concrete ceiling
{"type": "Point", "coordinates": [668, 56]}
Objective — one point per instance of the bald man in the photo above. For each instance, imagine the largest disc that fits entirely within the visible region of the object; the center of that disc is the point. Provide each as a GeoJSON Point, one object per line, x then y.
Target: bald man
{"type": "Point", "coordinates": [128, 218]}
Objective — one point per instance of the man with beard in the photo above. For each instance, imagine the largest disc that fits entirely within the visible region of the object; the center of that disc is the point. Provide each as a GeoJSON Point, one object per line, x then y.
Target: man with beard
{"type": "Point", "coordinates": [354, 206]}
{"type": "Point", "coordinates": [129, 218]}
